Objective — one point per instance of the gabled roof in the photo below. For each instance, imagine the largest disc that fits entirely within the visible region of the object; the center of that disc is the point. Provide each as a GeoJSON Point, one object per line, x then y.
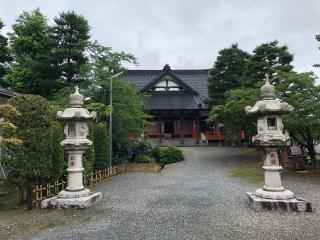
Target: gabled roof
{"type": "Point", "coordinates": [194, 82]}
{"type": "Point", "coordinates": [167, 72]}
{"type": "Point", "coordinates": [195, 79]}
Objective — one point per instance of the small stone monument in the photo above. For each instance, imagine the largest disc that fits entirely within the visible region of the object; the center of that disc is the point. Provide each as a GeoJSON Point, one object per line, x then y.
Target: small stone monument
{"type": "Point", "coordinates": [270, 137]}
{"type": "Point", "coordinates": [75, 144]}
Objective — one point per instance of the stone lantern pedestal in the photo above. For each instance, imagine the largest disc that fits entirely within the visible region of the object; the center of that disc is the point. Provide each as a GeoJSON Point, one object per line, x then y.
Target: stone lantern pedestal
{"type": "Point", "coordinates": [270, 138]}
{"type": "Point", "coordinates": [76, 143]}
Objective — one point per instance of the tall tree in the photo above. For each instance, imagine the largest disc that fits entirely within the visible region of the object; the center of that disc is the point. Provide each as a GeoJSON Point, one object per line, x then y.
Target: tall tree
{"type": "Point", "coordinates": [226, 73]}
{"type": "Point", "coordinates": [318, 39]}
{"type": "Point", "coordinates": [267, 58]}
{"type": "Point", "coordinates": [31, 49]}
{"type": "Point", "coordinates": [128, 113]}
{"type": "Point", "coordinates": [4, 55]}
{"type": "Point", "coordinates": [300, 91]}
{"type": "Point", "coordinates": [71, 35]}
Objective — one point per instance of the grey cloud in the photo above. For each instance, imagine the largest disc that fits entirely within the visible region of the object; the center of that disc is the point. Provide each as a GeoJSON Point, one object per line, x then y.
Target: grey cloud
{"type": "Point", "coordinates": [189, 33]}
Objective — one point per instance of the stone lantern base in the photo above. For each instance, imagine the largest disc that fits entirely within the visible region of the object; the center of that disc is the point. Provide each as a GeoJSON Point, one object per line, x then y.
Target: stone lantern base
{"type": "Point", "coordinates": [291, 204]}
{"type": "Point", "coordinates": [72, 200]}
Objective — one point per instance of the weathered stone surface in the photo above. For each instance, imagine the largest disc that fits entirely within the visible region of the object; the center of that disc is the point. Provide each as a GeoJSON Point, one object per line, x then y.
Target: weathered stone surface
{"type": "Point", "coordinates": [74, 194]}
{"type": "Point", "coordinates": [275, 195]}
{"type": "Point", "coordinates": [291, 205]}
{"type": "Point", "coordinates": [71, 203]}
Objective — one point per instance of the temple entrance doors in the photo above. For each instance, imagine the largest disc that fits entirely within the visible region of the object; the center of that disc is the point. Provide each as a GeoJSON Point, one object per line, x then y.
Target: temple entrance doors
{"type": "Point", "coordinates": [168, 128]}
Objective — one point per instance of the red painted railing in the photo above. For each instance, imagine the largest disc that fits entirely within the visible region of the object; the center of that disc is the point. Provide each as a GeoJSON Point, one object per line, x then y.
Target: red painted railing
{"type": "Point", "coordinates": [218, 136]}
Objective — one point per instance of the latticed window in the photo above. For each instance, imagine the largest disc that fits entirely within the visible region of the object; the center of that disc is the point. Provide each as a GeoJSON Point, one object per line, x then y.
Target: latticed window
{"type": "Point", "coordinates": [166, 85]}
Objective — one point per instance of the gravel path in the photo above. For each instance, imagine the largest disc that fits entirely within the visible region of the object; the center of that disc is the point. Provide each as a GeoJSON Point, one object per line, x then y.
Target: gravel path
{"type": "Point", "coordinates": [193, 199]}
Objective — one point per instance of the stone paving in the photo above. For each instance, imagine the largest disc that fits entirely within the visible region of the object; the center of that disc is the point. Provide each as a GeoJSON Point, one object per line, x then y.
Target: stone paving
{"type": "Point", "coordinates": [193, 199]}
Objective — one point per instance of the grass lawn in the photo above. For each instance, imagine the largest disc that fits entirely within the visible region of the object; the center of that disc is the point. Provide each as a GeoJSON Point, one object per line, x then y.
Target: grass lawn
{"type": "Point", "coordinates": [252, 173]}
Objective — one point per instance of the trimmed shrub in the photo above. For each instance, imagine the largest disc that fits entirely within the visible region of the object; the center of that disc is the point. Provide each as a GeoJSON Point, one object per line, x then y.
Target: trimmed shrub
{"type": "Point", "coordinates": [170, 155]}
{"type": "Point", "coordinates": [156, 153]}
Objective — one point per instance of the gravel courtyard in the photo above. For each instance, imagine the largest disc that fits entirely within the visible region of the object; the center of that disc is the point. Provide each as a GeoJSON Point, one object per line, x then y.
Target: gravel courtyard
{"type": "Point", "coordinates": [193, 199]}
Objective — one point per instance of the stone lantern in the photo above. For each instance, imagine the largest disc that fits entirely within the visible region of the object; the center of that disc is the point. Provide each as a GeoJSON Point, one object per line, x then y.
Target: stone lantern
{"type": "Point", "coordinates": [76, 143]}
{"type": "Point", "coordinates": [271, 138]}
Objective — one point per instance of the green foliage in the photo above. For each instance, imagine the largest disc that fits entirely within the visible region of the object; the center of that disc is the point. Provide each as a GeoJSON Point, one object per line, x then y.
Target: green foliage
{"type": "Point", "coordinates": [267, 58]}
{"type": "Point", "coordinates": [226, 73]}
{"type": "Point", "coordinates": [101, 146]}
{"type": "Point", "coordinates": [128, 113]}
{"type": "Point", "coordinates": [142, 158]}
{"type": "Point", "coordinates": [233, 115]}
{"type": "Point", "coordinates": [4, 56]}
{"type": "Point", "coordinates": [156, 153]}
{"type": "Point", "coordinates": [300, 91]}
{"type": "Point", "coordinates": [70, 35]}
{"type": "Point", "coordinates": [235, 81]}
{"type": "Point", "coordinates": [89, 154]}
{"type": "Point", "coordinates": [102, 110]}
{"type": "Point", "coordinates": [170, 155]}
{"type": "Point", "coordinates": [31, 47]}
{"type": "Point", "coordinates": [40, 156]}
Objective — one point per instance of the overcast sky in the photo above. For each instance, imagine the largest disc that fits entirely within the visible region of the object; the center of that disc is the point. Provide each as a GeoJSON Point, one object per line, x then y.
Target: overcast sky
{"type": "Point", "coordinates": [187, 34]}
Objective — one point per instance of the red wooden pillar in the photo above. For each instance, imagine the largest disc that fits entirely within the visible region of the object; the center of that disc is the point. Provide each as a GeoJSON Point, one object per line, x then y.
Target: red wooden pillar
{"type": "Point", "coordinates": [194, 135]}
{"type": "Point", "coordinates": [181, 130]}
{"type": "Point", "coordinates": [197, 128]}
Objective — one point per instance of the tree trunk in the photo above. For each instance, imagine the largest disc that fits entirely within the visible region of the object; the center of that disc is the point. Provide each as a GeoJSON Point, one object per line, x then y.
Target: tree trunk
{"type": "Point", "coordinates": [22, 194]}
{"type": "Point", "coordinates": [29, 196]}
{"type": "Point", "coordinates": [310, 147]}
{"type": "Point", "coordinates": [311, 152]}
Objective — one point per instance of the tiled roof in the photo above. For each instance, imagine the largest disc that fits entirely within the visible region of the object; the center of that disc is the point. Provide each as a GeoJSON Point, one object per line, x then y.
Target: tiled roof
{"type": "Point", "coordinates": [172, 101]}
{"type": "Point", "coordinates": [197, 80]}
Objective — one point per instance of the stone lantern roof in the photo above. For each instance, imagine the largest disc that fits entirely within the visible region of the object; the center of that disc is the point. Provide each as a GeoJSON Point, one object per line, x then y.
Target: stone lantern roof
{"type": "Point", "coordinates": [269, 104]}
{"type": "Point", "coordinates": [76, 111]}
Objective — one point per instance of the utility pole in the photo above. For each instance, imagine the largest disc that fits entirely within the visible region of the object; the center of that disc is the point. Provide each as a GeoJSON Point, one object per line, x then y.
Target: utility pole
{"type": "Point", "coordinates": [110, 116]}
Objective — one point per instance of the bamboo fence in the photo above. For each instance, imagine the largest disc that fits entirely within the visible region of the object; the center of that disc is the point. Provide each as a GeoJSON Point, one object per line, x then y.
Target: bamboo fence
{"type": "Point", "coordinates": [50, 189]}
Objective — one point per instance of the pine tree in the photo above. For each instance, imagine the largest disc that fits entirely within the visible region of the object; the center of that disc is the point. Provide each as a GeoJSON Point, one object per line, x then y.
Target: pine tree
{"type": "Point", "coordinates": [226, 73]}
{"type": "Point", "coordinates": [70, 34]}
{"type": "Point", "coordinates": [267, 58]}
{"type": "Point", "coordinates": [318, 39]}
{"type": "Point", "coordinates": [4, 55]}
{"type": "Point", "coordinates": [31, 48]}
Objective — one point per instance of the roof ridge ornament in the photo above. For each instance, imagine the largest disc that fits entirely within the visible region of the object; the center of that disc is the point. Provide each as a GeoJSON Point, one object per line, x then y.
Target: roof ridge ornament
{"type": "Point", "coordinates": [166, 68]}
{"type": "Point", "coordinates": [267, 90]}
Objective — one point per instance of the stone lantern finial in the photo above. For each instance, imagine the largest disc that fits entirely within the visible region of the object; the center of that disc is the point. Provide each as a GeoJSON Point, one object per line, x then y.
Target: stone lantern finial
{"type": "Point", "coordinates": [76, 98]}
{"type": "Point", "coordinates": [267, 90]}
